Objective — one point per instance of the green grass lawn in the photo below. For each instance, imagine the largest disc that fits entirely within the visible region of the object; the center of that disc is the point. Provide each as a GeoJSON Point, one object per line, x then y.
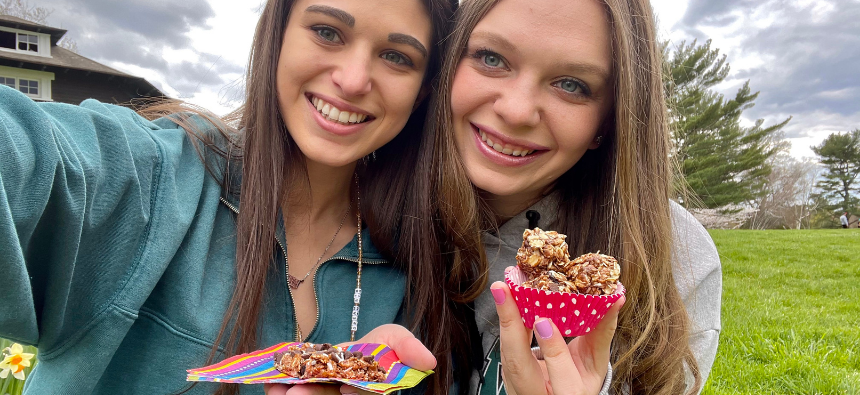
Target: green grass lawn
{"type": "Point", "coordinates": [791, 313]}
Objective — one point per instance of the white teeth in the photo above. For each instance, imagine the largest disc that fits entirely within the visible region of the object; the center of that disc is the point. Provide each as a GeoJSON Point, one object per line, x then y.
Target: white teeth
{"type": "Point", "coordinates": [335, 114]}
{"type": "Point", "coordinates": [505, 149]}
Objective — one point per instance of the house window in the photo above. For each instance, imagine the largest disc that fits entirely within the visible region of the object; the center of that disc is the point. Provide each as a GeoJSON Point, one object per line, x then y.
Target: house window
{"type": "Point", "coordinates": [29, 87]}
{"type": "Point", "coordinates": [28, 42]}
{"type": "Point", "coordinates": [33, 83]}
{"type": "Point", "coordinates": [7, 39]}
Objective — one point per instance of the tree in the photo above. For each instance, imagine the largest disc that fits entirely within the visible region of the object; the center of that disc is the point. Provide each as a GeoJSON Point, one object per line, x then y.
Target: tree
{"type": "Point", "coordinates": [722, 162]}
{"type": "Point", "coordinates": [788, 201]}
{"type": "Point", "coordinates": [839, 153]}
{"type": "Point", "coordinates": [22, 9]}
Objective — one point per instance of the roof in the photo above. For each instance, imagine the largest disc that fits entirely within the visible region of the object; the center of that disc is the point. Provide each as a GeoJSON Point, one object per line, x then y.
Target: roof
{"type": "Point", "coordinates": [61, 57]}
{"type": "Point", "coordinates": [23, 24]}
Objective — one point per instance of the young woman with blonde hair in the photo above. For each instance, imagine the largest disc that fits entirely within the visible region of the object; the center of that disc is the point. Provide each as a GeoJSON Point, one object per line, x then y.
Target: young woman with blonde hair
{"type": "Point", "coordinates": [555, 111]}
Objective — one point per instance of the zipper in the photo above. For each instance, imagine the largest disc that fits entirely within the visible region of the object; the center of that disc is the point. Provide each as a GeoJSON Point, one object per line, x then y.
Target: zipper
{"type": "Point", "coordinates": [286, 273]}
{"type": "Point", "coordinates": [313, 278]}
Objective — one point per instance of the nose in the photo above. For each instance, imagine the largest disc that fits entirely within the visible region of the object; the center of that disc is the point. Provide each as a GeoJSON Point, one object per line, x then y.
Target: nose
{"type": "Point", "coordinates": [353, 75]}
{"type": "Point", "coordinates": [517, 103]}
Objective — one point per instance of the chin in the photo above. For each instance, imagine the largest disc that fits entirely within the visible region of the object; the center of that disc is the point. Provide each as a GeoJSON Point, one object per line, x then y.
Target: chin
{"type": "Point", "coordinates": [496, 184]}
{"type": "Point", "coordinates": [331, 158]}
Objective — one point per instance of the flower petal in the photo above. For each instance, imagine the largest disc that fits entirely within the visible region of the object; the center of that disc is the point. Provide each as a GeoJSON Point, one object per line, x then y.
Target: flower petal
{"type": "Point", "coordinates": [19, 375]}
{"type": "Point", "coordinates": [17, 348]}
{"type": "Point", "coordinates": [27, 355]}
{"type": "Point", "coordinates": [4, 373]}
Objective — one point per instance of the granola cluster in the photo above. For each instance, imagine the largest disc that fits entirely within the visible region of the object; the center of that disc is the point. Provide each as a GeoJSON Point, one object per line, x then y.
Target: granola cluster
{"type": "Point", "coordinates": [326, 361]}
{"type": "Point", "coordinates": [542, 251]}
{"type": "Point", "coordinates": [544, 259]}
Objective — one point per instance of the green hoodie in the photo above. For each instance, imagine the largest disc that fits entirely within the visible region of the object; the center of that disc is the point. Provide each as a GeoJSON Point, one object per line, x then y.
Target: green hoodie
{"type": "Point", "coordinates": [117, 254]}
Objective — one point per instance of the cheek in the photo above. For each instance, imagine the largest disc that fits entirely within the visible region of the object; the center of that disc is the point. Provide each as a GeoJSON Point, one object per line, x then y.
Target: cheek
{"type": "Point", "coordinates": [574, 131]}
{"type": "Point", "coordinates": [468, 91]}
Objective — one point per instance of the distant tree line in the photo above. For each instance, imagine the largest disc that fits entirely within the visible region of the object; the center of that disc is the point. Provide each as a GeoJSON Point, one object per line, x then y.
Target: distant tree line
{"type": "Point", "coordinates": [741, 176]}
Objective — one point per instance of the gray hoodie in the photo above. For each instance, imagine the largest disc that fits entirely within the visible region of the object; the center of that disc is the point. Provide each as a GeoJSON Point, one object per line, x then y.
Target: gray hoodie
{"type": "Point", "coordinates": [696, 268]}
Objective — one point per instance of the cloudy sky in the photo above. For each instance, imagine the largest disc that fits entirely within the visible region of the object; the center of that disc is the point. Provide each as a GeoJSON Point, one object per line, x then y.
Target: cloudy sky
{"type": "Point", "coordinates": [802, 55]}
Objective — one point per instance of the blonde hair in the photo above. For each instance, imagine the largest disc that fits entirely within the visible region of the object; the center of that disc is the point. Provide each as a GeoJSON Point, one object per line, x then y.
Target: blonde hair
{"type": "Point", "coordinates": [615, 199]}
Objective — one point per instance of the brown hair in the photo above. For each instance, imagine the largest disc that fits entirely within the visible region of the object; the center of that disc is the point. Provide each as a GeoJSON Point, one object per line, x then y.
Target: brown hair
{"type": "Point", "coordinates": [398, 188]}
{"type": "Point", "coordinates": [615, 199]}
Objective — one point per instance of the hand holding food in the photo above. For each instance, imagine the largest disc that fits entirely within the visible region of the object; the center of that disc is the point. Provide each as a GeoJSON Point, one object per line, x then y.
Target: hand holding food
{"type": "Point", "coordinates": [575, 294]}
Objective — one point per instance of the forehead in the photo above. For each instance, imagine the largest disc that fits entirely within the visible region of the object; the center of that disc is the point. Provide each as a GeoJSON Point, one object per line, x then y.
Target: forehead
{"type": "Point", "coordinates": [560, 30]}
{"type": "Point", "coordinates": [395, 16]}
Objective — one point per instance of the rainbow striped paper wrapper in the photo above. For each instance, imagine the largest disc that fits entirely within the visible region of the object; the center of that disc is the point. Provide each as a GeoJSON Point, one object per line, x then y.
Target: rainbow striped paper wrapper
{"type": "Point", "coordinates": [258, 367]}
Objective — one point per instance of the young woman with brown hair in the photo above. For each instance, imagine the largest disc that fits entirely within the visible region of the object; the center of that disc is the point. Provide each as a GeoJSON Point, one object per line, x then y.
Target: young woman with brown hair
{"type": "Point", "coordinates": [135, 252]}
{"type": "Point", "coordinates": [555, 111]}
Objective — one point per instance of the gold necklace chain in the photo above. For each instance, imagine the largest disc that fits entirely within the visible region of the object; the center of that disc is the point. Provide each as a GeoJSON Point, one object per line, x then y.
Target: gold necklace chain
{"type": "Point", "coordinates": [357, 294]}
{"type": "Point", "coordinates": [293, 281]}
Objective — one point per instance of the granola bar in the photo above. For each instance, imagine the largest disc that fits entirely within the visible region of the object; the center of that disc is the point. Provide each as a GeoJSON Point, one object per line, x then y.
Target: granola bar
{"type": "Point", "coordinates": [326, 361]}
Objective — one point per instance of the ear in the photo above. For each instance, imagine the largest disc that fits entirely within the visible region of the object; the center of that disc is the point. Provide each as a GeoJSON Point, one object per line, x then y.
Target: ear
{"type": "Point", "coordinates": [422, 94]}
{"type": "Point", "coordinates": [603, 132]}
{"type": "Point", "coordinates": [596, 141]}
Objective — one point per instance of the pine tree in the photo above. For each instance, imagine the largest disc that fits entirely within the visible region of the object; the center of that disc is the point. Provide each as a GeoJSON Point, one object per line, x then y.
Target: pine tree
{"type": "Point", "coordinates": [722, 162]}
{"type": "Point", "coordinates": [839, 153]}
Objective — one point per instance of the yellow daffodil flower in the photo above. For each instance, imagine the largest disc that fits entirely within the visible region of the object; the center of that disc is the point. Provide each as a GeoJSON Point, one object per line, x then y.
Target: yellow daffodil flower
{"type": "Point", "coordinates": [16, 360]}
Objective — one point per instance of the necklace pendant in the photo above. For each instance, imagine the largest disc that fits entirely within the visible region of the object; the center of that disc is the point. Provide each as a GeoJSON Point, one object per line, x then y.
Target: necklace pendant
{"type": "Point", "coordinates": [294, 282]}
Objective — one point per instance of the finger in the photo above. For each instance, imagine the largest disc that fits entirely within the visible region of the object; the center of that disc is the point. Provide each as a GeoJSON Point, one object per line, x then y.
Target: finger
{"type": "Point", "coordinates": [560, 368]}
{"type": "Point", "coordinates": [593, 350]}
{"type": "Point", "coordinates": [520, 368]}
{"type": "Point", "coordinates": [275, 389]}
{"type": "Point", "coordinates": [350, 390]}
{"type": "Point", "coordinates": [409, 350]}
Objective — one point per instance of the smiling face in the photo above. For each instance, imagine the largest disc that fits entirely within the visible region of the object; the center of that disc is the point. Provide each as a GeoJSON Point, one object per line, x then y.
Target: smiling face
{"type": "Point", "coordinates": [530, 94]}
{"type": "Point", "coordinates": [349, 74]}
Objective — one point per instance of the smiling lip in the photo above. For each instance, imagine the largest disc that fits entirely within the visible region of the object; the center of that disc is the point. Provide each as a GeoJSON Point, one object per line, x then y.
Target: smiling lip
{"type": "Point", "coordinates": [332, 126]}
{"type": "Point", "coordinates": [500, 158]}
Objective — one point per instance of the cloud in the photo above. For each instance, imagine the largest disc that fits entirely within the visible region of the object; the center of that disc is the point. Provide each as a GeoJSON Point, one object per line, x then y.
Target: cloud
{"type": "Point", "coordinates": [802, 55]}
{"type": "Point", "coordinates": [153, 39]}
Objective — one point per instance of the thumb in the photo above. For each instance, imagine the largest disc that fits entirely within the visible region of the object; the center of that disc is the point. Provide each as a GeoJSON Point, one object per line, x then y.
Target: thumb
{"type": "Point", "coordinates": [410, 350]}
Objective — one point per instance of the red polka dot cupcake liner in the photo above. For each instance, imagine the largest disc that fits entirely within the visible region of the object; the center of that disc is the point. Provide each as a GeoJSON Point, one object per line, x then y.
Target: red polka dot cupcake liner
{"type": "Point", "coordinates": [573, 314]}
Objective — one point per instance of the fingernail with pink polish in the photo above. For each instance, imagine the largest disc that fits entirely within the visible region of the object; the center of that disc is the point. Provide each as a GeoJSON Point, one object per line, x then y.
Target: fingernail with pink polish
{"type": "Point", "coordinates": [544, 329]}
{"type": "Point", "coordinates": [498, 295]}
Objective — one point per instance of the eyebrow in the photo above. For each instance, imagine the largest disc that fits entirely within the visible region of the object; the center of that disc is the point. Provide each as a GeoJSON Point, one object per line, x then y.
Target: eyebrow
{"type": "Point", "coordinates": [400, 38]}
{"type": "Point", "coordinates": [499, 41]}
{"type": "Point", "coordinates": [336, 13]}
{"type": "Point", "coordinates": [587, 68]}
{"type": "Point", "coordinates": [496, 40]}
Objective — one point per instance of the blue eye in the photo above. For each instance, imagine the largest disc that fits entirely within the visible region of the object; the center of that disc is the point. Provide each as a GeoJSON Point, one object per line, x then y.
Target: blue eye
{"type": "Point", "coordinates": [490, 59]}
{"type": "Point", "coordinates": [327, 33]}
{"type": "Point", "coordinates": [572, 86]}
